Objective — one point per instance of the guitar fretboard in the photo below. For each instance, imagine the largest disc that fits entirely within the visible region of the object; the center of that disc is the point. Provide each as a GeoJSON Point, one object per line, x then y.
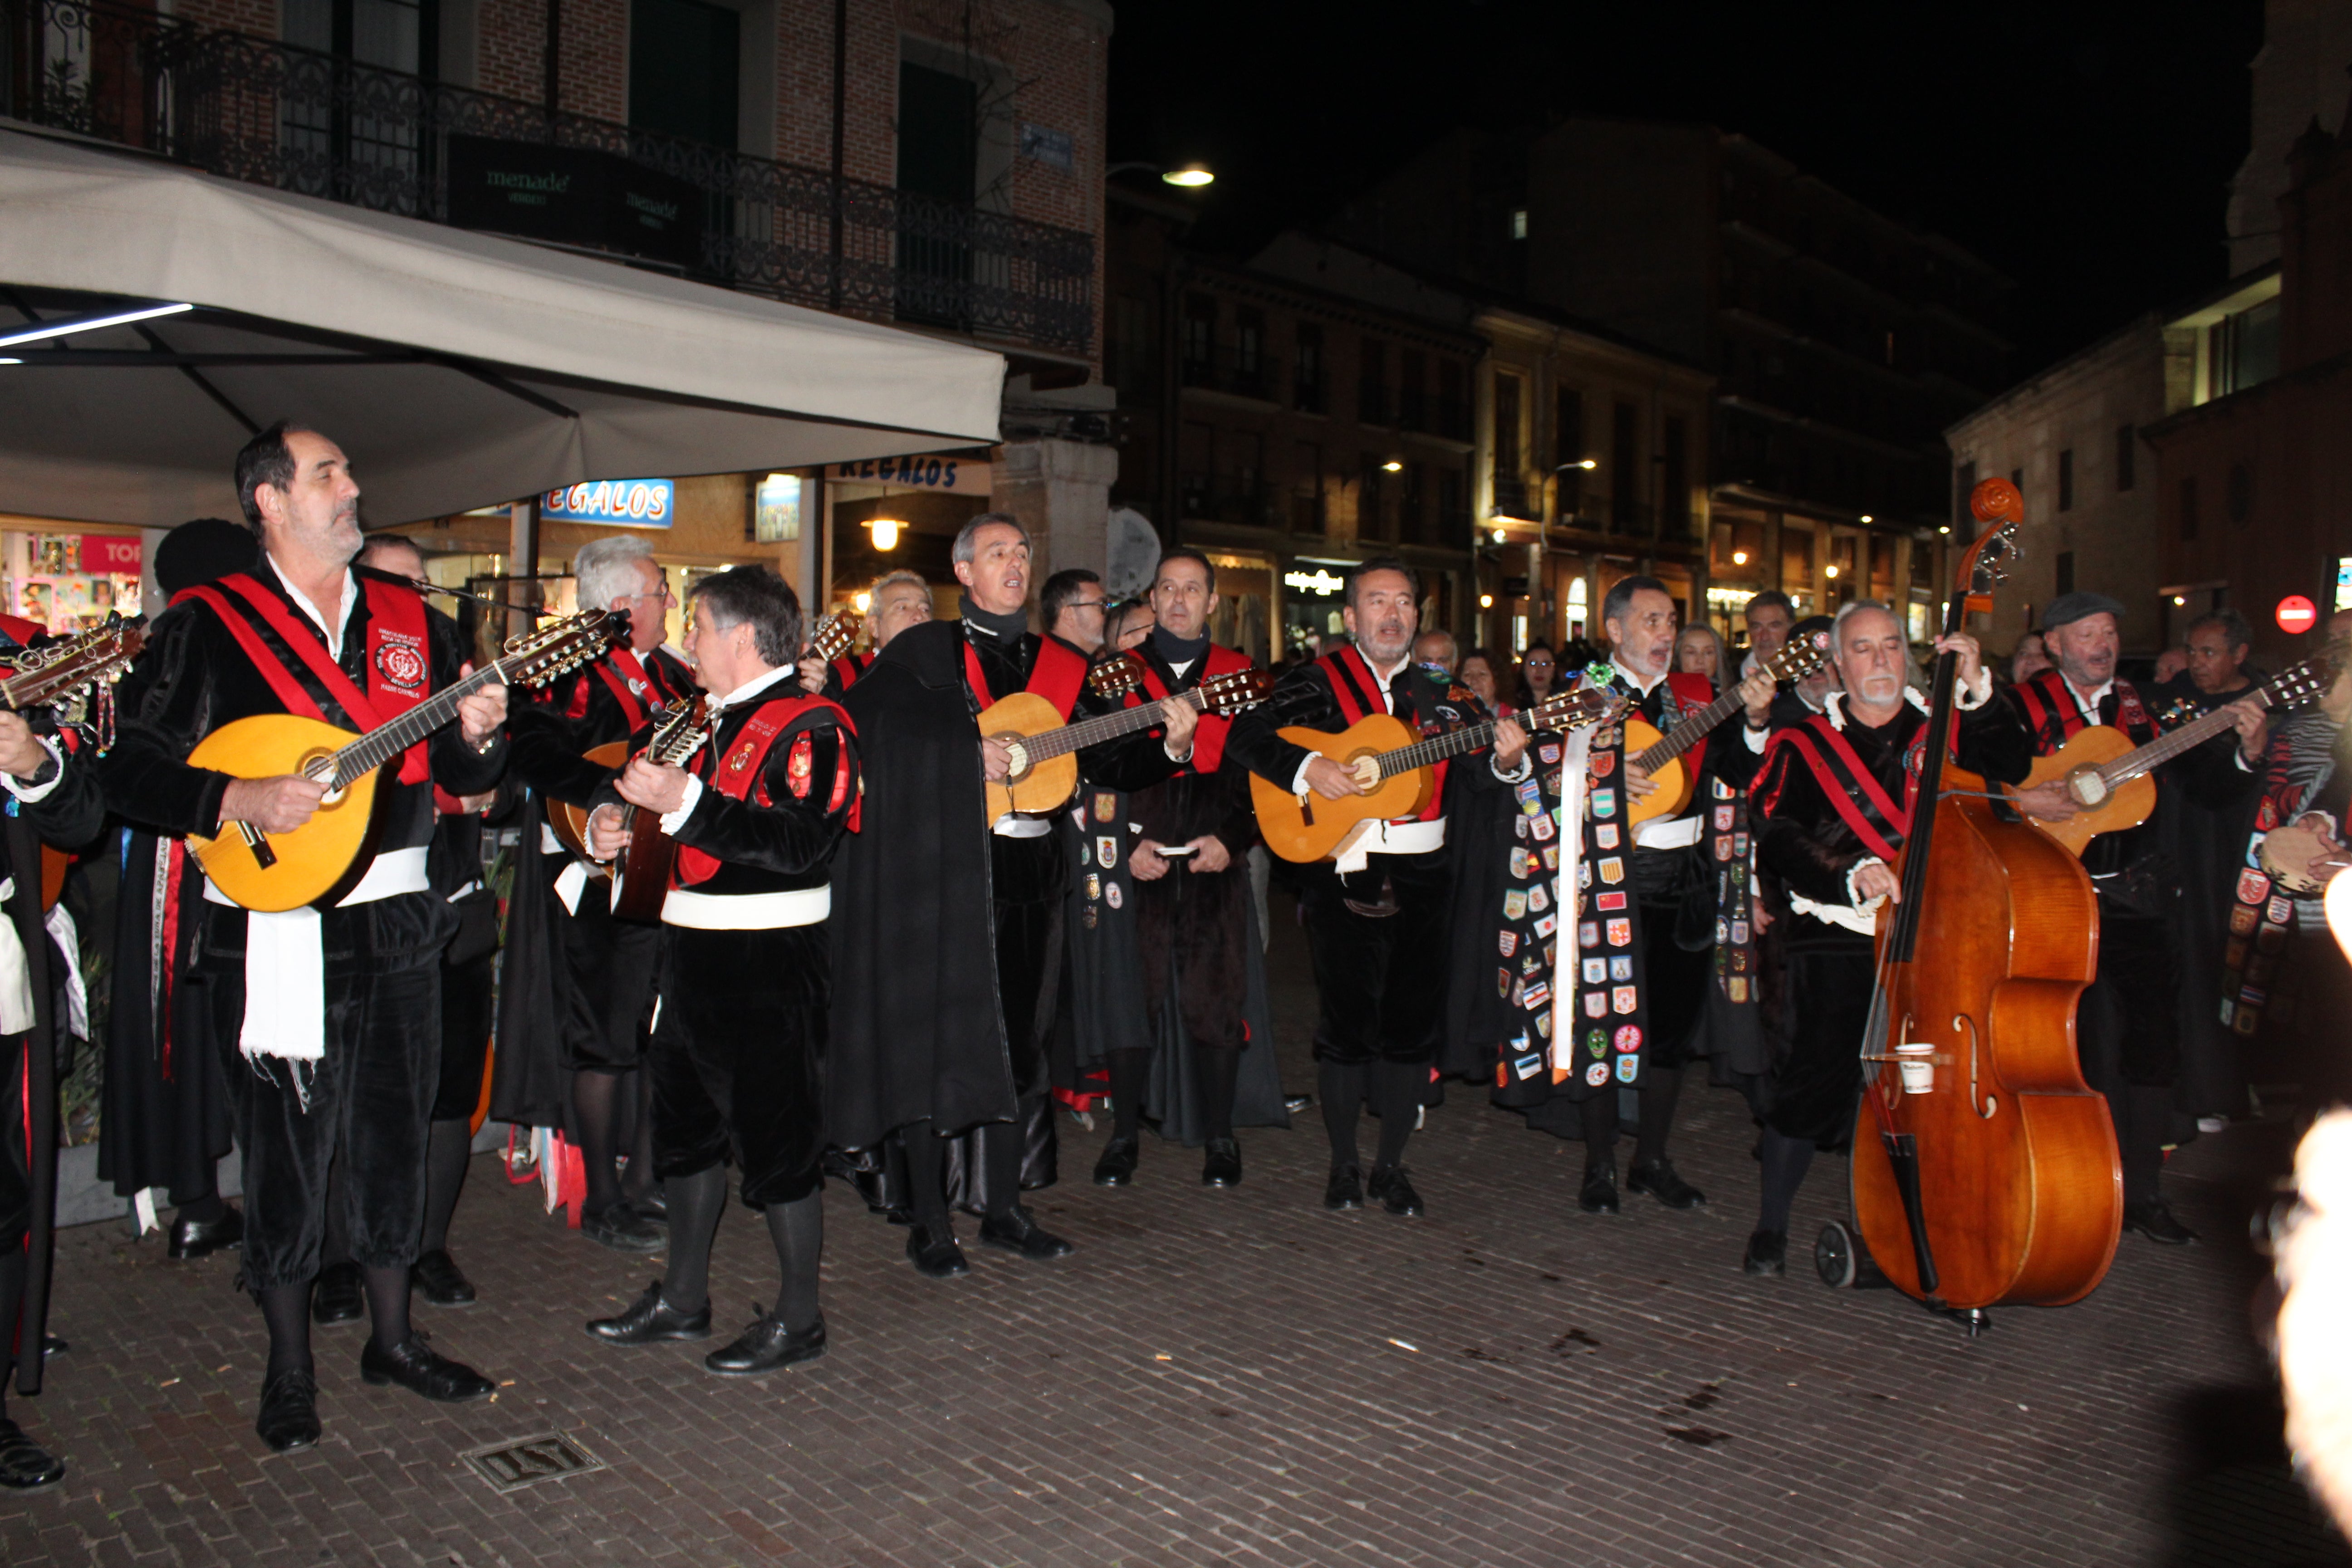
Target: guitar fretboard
{"type": "Point", "coordinates": [388, 739]}
{"type": "Point", "coordinates": [2172, 743]}
{"type": "Point", "coordinates": [1104, 727]}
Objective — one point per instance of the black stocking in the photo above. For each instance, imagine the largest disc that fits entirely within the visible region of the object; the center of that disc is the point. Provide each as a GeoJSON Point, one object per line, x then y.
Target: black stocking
{"type": "Point", "coordinates": [1399, 1086]}
{"type": "Point", "coordinates": [927, 1198]}
{"type": "Point", "coordinates": [2147, 1115]}
{"type": "Point", "coordinates": [1216, 1072]}
{"type": "Point", "coordinates": [445, 1156]}
{"type": "Point", "coordinates": [286, 1310]}
{"type": "Point", "coordinates": [387, 1300]}
{"type": "Point", "coordinates": [335, 1244]}
{"type": "Point", "coordinates": [1340, 1087]}
{"type": "Point", "coordinates": [1130, 1071]}
{"type": "Point", "coordinates": [638, 1103]}
{"type": "Point", "coordinates": [210, 1209]}
{"type": "Point", "coordinates": [1660, 1088]}
{"type": "Point", "coordinates": [1002, 1144]}
{"type": "Point", "coordinates": [595, 1095]}
{"type": "Point", "coordinates": [696, 1202]}
{"type": "Point", "coordinates": [1785, 1160]}
{"type": "Point", "coordinates": [1601, 1128]}
{"type": "Point", "coordinates": [798, 1230]}
{"type": "Point", "coordinates": [11, 1301]}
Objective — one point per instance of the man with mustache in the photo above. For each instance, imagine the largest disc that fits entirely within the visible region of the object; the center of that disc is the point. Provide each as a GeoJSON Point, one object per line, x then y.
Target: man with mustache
{"type": "Point", "coordinates": [1834, 806]}
{"type": "Point", "coordinates": [1376, 918]}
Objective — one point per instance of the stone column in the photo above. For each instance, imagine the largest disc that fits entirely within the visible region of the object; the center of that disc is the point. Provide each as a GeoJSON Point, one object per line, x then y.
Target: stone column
{"type": "Point", "coordinates": [1060, 492]}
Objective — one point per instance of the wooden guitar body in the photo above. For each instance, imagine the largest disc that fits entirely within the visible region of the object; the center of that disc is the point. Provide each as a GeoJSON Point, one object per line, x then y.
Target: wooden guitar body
{"type": "Point", "coordinates": [1314, 828]}
{"type": "Point", "coordinates": [2130, 804]}
{"type": "Point", "coordinates": [318, 864]}
{"type": "Point", "coordinates": [569, 822]}
{"type": "Point", "coordinates": [1033, 785]}
{"type": "Point", "coordinates": [1673, 781]}
{"type": "Point", "coordinates": [2018, 1178]}
{"type": "Point", "coordinates": [641, 873]}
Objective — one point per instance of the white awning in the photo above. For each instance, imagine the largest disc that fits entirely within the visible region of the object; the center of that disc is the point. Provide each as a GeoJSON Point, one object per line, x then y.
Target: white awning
{"type": "Point", "coordinates": [458, 370]}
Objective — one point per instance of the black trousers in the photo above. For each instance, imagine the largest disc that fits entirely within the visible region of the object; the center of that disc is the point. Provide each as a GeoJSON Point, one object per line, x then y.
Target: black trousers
{"type": "Point", "coordinates": [369, 1100]}
{"type": "Point", "coordinates": [469, 1006]}
{"type": "Point", "coordinates": [1381, 978]}
{"type": "Point", "coordinates": [15, 1165]}
{"type": "Point", "coordinates": [611, 965]}
{"type": "Point", "coordinates": [1030, 878]}
{"type": "Point", "coordinates": [2129, 1023]}
{"type": "Point", "coordinates": [1815, 1086]}
{"type": "Point", "coordinates": [737, 1058]}
{"type": "Point", "coordinates": [1671, 884]}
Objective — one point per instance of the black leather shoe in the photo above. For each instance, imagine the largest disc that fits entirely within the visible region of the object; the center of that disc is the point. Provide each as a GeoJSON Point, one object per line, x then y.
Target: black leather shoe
{"type": "Point", "coordinates": [340, 1296]}
{"type": "Point", "coordinates": [1390, 1189]}
{"type": "Point", "coordinates": [767, 1346]}
{"type": "Point", "coordinates": [24, 1465]}
{"type": "Point", "coordinates": [1295, 1104]}
{"type": "Point", "coordinates": [1768, 1253]}
{"type": "Point", "coordinates": [1345, 1190]}
{"type": "Point", "coordinates": [1117, 1166]}
{"type": "Point", "coordinates": [1658, 1180]}
{"type": "Point", "coordinates": [421, 1370]}
{"type": "Point", "coordinates": [2153, 1219]}
{"type": "Point", "coordinates": [648, 1319]}
{"type": "Point", "coordinates": [192, 1238]}
{"type": "Point", "coordinates": [1598, 1193]}
{"type": "Point", "coordinates": [1019, 1232]}
{"type": "Point", "coordinates": [623, 1229]}
{"type": "Point", "coordinates": [289, 1412]}
{"type": "Point", "coordinates": [439, 1280]}
{"type": "Point", "coordinates": [1221, 1163]}
{"type": "Point", "coordinates": [934, 1253]}
{"type": "Point", "coordinates": [654, 1206]}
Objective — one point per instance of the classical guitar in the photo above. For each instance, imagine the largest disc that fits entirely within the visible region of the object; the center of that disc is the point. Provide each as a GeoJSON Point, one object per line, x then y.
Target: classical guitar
{"type": "Point", "coordinates": [641, 872]}
{"type": "Point", "coordinates": [2108, 777]}
{"type": "Point", "coordinates": [1659, 757]}
{"type": "Point", "coordinates": [1045, 768]}
{"type": "Point", "coordinates": [321, 860]}
{"type": "Point", "coordinates": [1395, 769]}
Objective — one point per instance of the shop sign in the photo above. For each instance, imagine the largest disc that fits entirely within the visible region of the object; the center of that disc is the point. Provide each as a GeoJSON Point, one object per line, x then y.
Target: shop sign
{"type": "Point", "coordinates": [114, 555]}
{"type": "Point", "coordinates": [965, 476]}
{"type": "Point", "coordinates": [623, 503]}
{"type": "Point", "coordinates": [1319, 583]}
{"type": "Point", "coordinates": [776, 511]}
{"type": "Point", "coordinates": [574, 195]}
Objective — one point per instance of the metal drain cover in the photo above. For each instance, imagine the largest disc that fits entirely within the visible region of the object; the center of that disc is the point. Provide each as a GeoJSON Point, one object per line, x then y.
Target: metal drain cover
{"type": "Point", "coordinates": [525, 1461]}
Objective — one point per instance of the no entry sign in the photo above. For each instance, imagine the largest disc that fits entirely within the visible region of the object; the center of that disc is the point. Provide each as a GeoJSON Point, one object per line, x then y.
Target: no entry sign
{"type": "Point", "coordinates": [2297, 614]}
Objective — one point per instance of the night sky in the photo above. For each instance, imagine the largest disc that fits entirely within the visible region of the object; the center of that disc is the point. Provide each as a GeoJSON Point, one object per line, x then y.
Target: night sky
{"type": "Point", "coordinates": [2085, 149]}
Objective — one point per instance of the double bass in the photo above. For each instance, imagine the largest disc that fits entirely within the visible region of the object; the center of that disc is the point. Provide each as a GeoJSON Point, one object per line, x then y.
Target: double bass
{"type": "Point", "coordinates": [1985, 1169]}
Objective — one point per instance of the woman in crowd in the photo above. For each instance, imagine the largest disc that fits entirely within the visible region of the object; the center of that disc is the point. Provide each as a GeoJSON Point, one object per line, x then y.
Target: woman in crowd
{"type": "Point", "coordinates": [1539, 676]}
{"type": "Point", "coordinates": [1478, 675]}
{"type": "Point", "coordinates": [1699, 651]}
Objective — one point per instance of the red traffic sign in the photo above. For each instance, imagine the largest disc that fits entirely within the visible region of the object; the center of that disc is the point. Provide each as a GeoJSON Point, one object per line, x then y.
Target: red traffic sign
{"type": "Point", "coordinates": [2297, 614]}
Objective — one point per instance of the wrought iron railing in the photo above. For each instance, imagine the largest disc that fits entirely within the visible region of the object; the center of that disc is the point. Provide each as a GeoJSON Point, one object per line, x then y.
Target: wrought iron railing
{"type": "Point", "coordinates": [293, 118]}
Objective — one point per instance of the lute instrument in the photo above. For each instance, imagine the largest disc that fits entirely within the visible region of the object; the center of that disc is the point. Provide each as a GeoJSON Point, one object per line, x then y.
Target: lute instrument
{"type": "Point", "coordinates": [2108, 777]}
{"type": "Point", "coordinates": [59, 675]}
{"type": "Point", "coordinates": [321, 860]}
{"type": "Point", "coordinates": [1985, 1170]}
{"type": "Point", "coordinates": [641, 872]}
{"type": "Point", "coordinates": [1044, 748]}
{"type": "Point", "coordinates": [1659, 757]}
{"type": "Point", "coordinates": [1395, 768]}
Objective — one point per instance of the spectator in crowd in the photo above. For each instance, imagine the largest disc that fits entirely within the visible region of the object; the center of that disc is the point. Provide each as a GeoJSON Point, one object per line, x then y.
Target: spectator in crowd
{"type": "Point", "coordinates": [1699, 651]}
{"type": "Point", "coordinates": [2028, 659]}
{"type": "Point", "coordinates": [1538, 675]}
{"type": "Point", "coordinates": [1477, 673]}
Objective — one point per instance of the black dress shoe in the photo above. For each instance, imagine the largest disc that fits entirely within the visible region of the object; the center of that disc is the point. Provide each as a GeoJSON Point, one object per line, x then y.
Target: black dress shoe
{"type": "Point", "coordinates": [1598, 1193]}
{"type": "Point", "coordinates": [934, 1253]}
{"type": "Point", "coordinates": [439, 1280]}
{"type": "Point", "coordinates": [654, 1206]}
{"type": "Point", "coordinates": [193, 1238]}
{"type": "Point", "coordinates": [422, 1370]}
{"type": "Point", "coordinates": [24, 1465]}
{"type": "Point", "coordinates": [1295, 1104]}
{"type": "Point", "coordinates": [1388, 1188]}
{"type": "Point", "coordinates": [648, 1319]}
{"type": "Point", "coordinates": [1221, 1163]}
{"type": "Point", "coordinates": [1019, 1232]}
{"type": "Point", "coordinates": [767, 1346]}
{"type": "Point", "coordinates": [1117, 1166]}
{"type": "Point", "coordinates": [340, 1295]}
{"type": "Point", "coordinates": [289, 1412]}
{"type": "Point", "coordinates": [623, 1229]}
{"type": "Point", "coordinates": [2153, 1219]}
{"type": "Point", "coordinates": [1658, 1180]}
{"type": "Point", "coordinates": [1345, 1190]}
{"type": "Point", "coordinates": [1768, 1253]}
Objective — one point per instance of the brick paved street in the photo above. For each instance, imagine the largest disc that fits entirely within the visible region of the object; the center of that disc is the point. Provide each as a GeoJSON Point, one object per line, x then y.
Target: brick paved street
{"type": "Point", "coordinates": [1223, 1377]}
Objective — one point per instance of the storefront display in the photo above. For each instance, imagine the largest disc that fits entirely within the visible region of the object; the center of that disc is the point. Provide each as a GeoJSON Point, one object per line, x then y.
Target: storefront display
{"type": "Point", "coordinates": [70, 582]}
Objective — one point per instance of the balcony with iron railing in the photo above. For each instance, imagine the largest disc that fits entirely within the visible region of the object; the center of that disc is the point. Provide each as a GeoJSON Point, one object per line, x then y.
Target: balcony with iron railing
{"type": "Point", "coordinates": [292, 119]}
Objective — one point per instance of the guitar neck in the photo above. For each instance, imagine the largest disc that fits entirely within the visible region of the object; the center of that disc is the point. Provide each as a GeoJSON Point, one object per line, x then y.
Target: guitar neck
{"type": "Point", "coordinates": [1434, 749]}
{"type": "Point", "coordinates": [2166, 747]}
{"type": "Point", "coordinates": [387, 741]}
{"type": "Point", "coordinates": [1692, 729]}
{"type": "Point", "coordinates": [1103, 726]}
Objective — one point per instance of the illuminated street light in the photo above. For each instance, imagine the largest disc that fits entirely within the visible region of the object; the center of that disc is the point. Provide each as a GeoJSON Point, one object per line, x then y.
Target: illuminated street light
{"type": "Point", "coordinates": [1832, 572]}
{"type": "Point", "coordinates": [1485, 601]}
{"type": "Point", "coordinates": [1739, 558]}
{"type": "Point", "coordinates": [863, 602]}
{"type": "Point", "coordinates": [1500, 535]}
{"type": "Point", "coordinates": [886, 532]}
{"type": "Point", "coordinates": [1191, 176]}
{"type": "Point", "coordinates": [2178, 599]}
{"type": "Point", "coordinates": [1867, 518]}
{"type": "Point", "coordinates": [1580, 463]}
{"type": "Point", "coordinates": [1393, 466]}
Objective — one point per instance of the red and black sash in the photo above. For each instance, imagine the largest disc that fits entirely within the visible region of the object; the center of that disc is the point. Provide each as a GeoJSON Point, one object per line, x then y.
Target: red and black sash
{"type": "Point", "coordinates": [1058, 676]}
{"type": "Point", "coordinates": [1850, 786]}
{"type": "Point", "coordinates": [850, 666]}
{"type": "Point", "coordinates": [1209, 735]}
{"type": "Point", "coordinates": [2055, 718]}
{"type": "Point", "coordinates": [740, 772]}
{"type": "Point", "coordinates": [1358, 693]}
{"type": "Point", "coordinates": [399, 659]}
{"type": "Point", "coordinates": [1681, 691]}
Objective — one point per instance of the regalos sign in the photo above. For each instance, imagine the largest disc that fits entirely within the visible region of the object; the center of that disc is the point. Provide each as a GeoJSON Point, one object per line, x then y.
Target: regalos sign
{"type": "Point", "coordinates": [625, 503]}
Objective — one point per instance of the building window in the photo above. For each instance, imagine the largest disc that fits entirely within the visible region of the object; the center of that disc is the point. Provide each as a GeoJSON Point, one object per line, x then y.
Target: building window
{"type": "Point", "coordinates": [1507, 388]}
{"type": "Point", "coordinates": [1306, 489]}
{"type": "Point", "coordinates": [1451, 417]}
{"type": "Point", "coordinates": [1200, 340]}
{"type": "Point", "coordinates": [1307, 379]}
{"type": "Point", "coordinates": [939, 114]}
{"type": "Point", "coordinates": [2066, 479]}
{"type": "Point", "coordinates": [2189, 506]}
{"type": "Point", "coordinates": [1372, 384]}
{"type": "Point", "coordinates": [1518, 223]}
{"type": "Point", "coordinates": [1415, 521]}
{"type": "Point", "coordinates": [2065, 572]}
{"type": "Point", "coordinates": [1675, 476]}
{"type": "Point", "coordinates": [1453, 508]}
{"type": "Point", "coordinates": [1964, 485]}
{"type": "Point", "coordinates": [2245, 348]}
{"type": "Point", "coordinates": [1568, 448]}
{"type": "Point", "coordinates": [1129, 366]}
{"type": "Point", "coordinates": [1625, 469]}
{"type": "Point", "coordinates": [2127, 457]}
{"type": "Point", "coordinates": [2239, 498]}
{"type": "Point", "coordinates": [1249, 353]}
{"type": "Point", "coordinates": [1412, 394]}
{"type": "Point", "coordinates": [1372, 521]}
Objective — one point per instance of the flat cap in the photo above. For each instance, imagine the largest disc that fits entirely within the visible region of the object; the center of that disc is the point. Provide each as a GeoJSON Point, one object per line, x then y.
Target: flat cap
{"type": "Point", "coordinates": [2080, 605]}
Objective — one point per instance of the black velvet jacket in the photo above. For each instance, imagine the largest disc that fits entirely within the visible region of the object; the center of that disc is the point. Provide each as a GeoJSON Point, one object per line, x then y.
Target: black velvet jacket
{"type": "Point", "coordinates": [1727, 756]}
{"type": "Point", "coordinates": [1175, 802]}
{"type": "Point", "coordinates": [578, 712]}
{"type": "Point", "coordinates": [194, 678]}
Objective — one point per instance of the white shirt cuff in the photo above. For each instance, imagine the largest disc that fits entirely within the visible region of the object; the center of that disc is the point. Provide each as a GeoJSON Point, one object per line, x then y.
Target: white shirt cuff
{"type": "Point", "coordinates": [1174, 755]}
{"type": "Point", "coordinates": [1852, 895]}
{"type": "Point", "coordinates": [31, 793]}
{"type": "Point", "coordinates": [673, 820]}
{"type": "Point", "coordinates": [1298, 785]}
{"type": "Point", "coordinates": [1755, 738]}
{"type": "Point", "coordinates": [1972, 698]}
{"type": "Point", "coordinates": [1517, 775]}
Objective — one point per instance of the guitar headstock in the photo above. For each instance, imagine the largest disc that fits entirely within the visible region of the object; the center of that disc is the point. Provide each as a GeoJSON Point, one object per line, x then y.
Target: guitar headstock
{"type": "Point", "coordinates": [56, 674]}
{"type": "Point", "coordinates": [536, 657]}
{"type": "Point", "coordinates": [834, 633]}
{"type": "Point", "coordinates": [2298, 684]}
{"type": "Point", "coordinates": [1577, 709]}
{"type": "Point", "coordinates": [1235, 691]}
{"type": "Point", "coordinates": [1801, 657]}
{"type": "Point", "coordinates": [1116, 676]}
{"type": "Point", "coordinates": [1986, 566]}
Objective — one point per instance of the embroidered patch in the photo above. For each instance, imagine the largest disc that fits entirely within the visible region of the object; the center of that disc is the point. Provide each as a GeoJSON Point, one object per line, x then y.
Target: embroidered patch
{"type": "Point", "coordinates": [1539, 996]}
{"type": "Point", "coordinates": [1548, 755]}
{"type": "Point", "coordinates": [1604, 803]}
{"type": "Point", "coordinates": [2280, 908]}
{"type": "Point", "coordinates": [1603, 762]}
{"type": "Point", "coordinates": [1502, 982]}
{"type": "Point", "coordinates": [1596, 1043]}
{"type": "Point", "coordinates": [400, 660]}
{"type": "Point", "coordinates": [1723, 819]}
{"type": "Point", "coordinates": [1604, 836]}
{"type": "Point", "coordinates": [1628, 1068]}
{"type": "Point", "coordinates": [1621, 933]}
{"type": "Point", "coordinates": [1739, 932]}
{"type": "Point", "coordinates": [1107, 853]}
{"type": "Point", "coordinates": [2252, 887]}
{"type": "Point", "coordinates": [1111, 895]}
{"type": "Point", "coordinates": [1597, 1074]}
{"type": "Point", "coordinates": [1106, 805]}
{"type": "Point", "coordinates": [1545, 925]}
{"type": "Point", "coordinates": [1540, 826]}
{"type": "Point", "coordinates": [1515, 904]}
{"type": "Point", "coordinates": [1612, 869]}
{"type": "Point", "coordinates": [1620, 969]}
{"type": "Point", "coordinates": [1507, 942]}
{"type": "Point", "coordinates": [1552, 856]}
{"type": "Point", "coordinates": [1629, 1038]}
{"type": "Point", "coordinates": [796, 766]}
{"type": "Point", "coordinates": [1596, 972]}
{"type": "Point", "coordinates": [1090, 914]}
{"type": "Point", "coordinates": [1607, 902]}
{"type": "Point", "coordinates": [1737, 986]}
{"type": "Point", "coordinates": [2242, 921]}
{"type": "Point", "coordinates": [1588, 935]}
{"type": "Point", "coordinates": [1094, 884]}
{"type": "Point", "coordinates": [1620, 999]}
{"type": "Point", "coordinates": [1538, 900]}
{"type": "Point", "coordinates": [1527, 1067]}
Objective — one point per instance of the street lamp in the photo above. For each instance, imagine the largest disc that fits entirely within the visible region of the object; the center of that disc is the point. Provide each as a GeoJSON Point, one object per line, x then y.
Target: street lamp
{"type": "Point", "coordinates": [1393, 466]}
{"type": "Point", "coordinates": [1590, 463]}
{"type": "Point", "coordinates": [886, 532]}
{"type": "Point", "coordinates": [1191, 176]}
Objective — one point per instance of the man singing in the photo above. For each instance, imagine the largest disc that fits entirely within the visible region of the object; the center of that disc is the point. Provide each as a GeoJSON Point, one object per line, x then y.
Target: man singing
{"type": "Point", "coordinates": [328, 1021]}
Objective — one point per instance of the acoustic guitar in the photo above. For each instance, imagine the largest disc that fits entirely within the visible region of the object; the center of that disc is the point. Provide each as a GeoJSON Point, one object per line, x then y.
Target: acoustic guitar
{"type": "Point", "coordinates": [641, 872]}
{"type": "Point", "coordinates": [1045, 764]}
{"type": "Point", "coordinates": [58, 676]}
{"type": "Point", "coordinates": [1394, 768]}
{"type": "Point", "coordinates": [324, 858]}
{"type": "Point", "coordinates": [1659, 757]}
{"type": "Point", "coordinates": [2108, 777]}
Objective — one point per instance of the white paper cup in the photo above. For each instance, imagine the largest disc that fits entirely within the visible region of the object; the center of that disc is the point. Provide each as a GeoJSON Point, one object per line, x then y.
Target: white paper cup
{"type": "Point", "coordinates": [1918, 1070]}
